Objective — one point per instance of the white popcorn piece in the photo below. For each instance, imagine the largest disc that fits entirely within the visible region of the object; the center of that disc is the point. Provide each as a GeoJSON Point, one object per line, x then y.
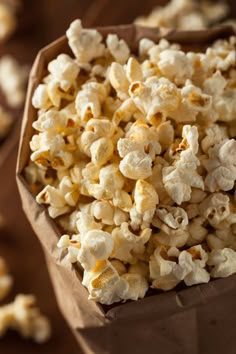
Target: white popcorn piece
{"type": "Point", "coordinates": [101, 151]}
{"type": "Point", "coordinates": [223, 262]}
{"type": "Point", "coordinates": [104, 283]}
{"type": "Point", "coordinates": [165, 133]}
{"type": "Point", "coordinates": [5, 123]}
{"type": "Point", "coordinates": [59, 200]}
{"type": "Point", "coordinates": [134, 70]}
{"type": "Point", "coordinates": [41, 98]}
{"type": "Point", "coordinates": [64, 70]}
{"type": "Point", "coordinates": [197, 231]}
{"type": "Point", "coordinates": [6, 279]}
{"type": "Point", "coordinates": [179, 178]}
{"type": "Point", "coordinates": [136, 165]}
{"type": "Point", "coordinates": [173, 217]}
{"type": "Point", "coordinates": [175, 66]}
{"type": "Point", "coordinates": [161, 269]}
{"type": "Point", "coordinates": [128, 245]}
{"type": "Point", "coordinates": [145, 197]}
{"type": "Point", "coordinates": [170, 237]}
{"type": "Point", "coordinates": [118, 80]}
{"type": "Point", "coordinates": [145, 44]}
{"type": "Point", "coordinates": [222, 238]}
{"type": "Point", "coordinates": [86, 222]}
{"type": "Point", "coordinates": [88, 100]}
{"type": "Point", "coordinates": [221, 166]}
{"type": "Point", "coordinates": [215, 208]}
{"type": "Point", "coordinates": [139, 268]}
{"type": "Point", "coordinates": [92, 246]}
{"type": "Point", "coordinates": [156, 180]}
{"type": "Point", "coordinates": [23, 316]}
{"type": "Point", "coordinates": [155, 96]}
{"type": "Point", "coordinates": [214, 135]}
{"type": "Point", "coordinates": [137, 286]}
{"type": "Point", "coordinates": [124, 112]}
{"type": "Point", "coordinates": [118, 48]}
{"type": "Point", "coordinates": [13, 80]}
{"type": "Point", "coordinates": [191, 266]}
{"type": "Point", "coordinates": [85, 43]}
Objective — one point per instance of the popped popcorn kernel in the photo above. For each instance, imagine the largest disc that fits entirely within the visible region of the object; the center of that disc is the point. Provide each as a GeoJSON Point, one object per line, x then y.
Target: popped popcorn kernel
{"type": "Point", "coordinates": [23, 316]}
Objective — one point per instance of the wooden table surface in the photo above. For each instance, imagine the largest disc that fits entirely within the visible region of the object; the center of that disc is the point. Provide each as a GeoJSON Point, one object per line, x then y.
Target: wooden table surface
{"type": "Point", "coordinates": [39, 23]}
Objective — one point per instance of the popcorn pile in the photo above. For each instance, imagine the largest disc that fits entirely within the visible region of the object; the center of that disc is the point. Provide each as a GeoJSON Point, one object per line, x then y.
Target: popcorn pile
{"type": "Point", "coordinates": [187, 15]}
{"type": "Point", "coordinates": [22, 314]}
{"type": "Point", "coordinates": [135, 158]}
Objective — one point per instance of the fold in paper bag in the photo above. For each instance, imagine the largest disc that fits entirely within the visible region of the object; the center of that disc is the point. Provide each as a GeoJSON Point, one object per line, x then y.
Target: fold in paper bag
{"type": "Point", "coordinates": [196, 320]}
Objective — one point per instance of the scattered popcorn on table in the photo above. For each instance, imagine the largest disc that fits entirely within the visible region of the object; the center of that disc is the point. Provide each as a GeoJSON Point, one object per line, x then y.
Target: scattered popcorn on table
{"type": "Point", "coordinates": [13, 79]}
{"type": "Point", "coordinates": [23, 316]}
{"type": "Point", "coordinates": [8, 18]}
{"type": "Point", "coordinates": [5, 279]}
{"type": "Point", "coordinates": [135, 158]}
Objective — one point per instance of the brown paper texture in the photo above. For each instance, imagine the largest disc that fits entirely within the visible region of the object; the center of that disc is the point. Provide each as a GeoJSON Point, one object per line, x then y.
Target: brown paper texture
{"type": "Point", "coordinates": [177, 322]}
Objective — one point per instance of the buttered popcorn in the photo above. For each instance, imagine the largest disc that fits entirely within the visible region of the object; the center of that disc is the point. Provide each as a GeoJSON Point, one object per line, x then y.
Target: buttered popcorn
{"type": "Point", "coordinates": [134, 158]}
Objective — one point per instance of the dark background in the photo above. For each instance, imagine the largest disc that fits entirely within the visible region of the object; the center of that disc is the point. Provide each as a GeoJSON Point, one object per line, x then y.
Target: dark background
{"type": "Point", "coordinates": [40, 22]}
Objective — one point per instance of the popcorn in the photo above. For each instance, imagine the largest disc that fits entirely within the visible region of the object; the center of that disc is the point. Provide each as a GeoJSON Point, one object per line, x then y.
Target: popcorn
{"type": "Point", "coordinates": [88, 101]}
{"type": "Point", "coordinates": [137, 286]}
{"type": "Point", "coordinates": [162, 269]}
{"type": "Point", "coordinates": [223, 262]}
{"type": "Point", "coordinates": [222, 54]}
{"type": "Point", "coordinates": [118, 80]}
{"type": "Point", "coordinates": [5, 123]}
{"type": "Point", "coordinates": [175, 218]}
{"type": "Point", "coordinates": [59, 200]}
{"type": "Point", "coordinates": [5, 279]}
{"type": "Point", "coordinates": [197, 231]}
{"type": "Point", "coordinates": [222, 238]}
{"type": "Point", "coordinates": [136, 165]}
{"type": "Point", "coordinates": [23, 316]}
{"type": "Point", "coordinates": [191, 266]}
{"type": "Point", "coordinates": [64, 70]}
{"type": "Point", "coordinates": [179, 178]}
{"type": "Point", "coordinates": [127, 244]}
{"type": "Point", "coordinates": [104, 283]}
{"type": "Point", "coordinates": [175, 66]}
{"type": "Point", "coordinates": [130, 154]}
{"type": "Point", "coordinates": [215, 208]}
{"type": "Point", "coordinates": [12, 81]}
{"type": "Point", "coordinates": [7, 21]}
{"type": "Point", "coordinates": [215, 134]}
{"type": "Point", "coordinates": [41, 97]}
{"type": "Point", "coordinates": [156, 95]}
{"type": "Point", "coordinates": [92, 246]}
{"type": "Point", "coordinates": [221, 166]}
{"type": "Point", "coordinates": [85, 43]}
{"type": "Point", "coordinates": [118, 48]}
{"type": "Point", "coordinates": [134, 70]}
{"type": "Point", "coordinates": [145, 197]}
{"type": "Point", "coordinates": [179, 14]}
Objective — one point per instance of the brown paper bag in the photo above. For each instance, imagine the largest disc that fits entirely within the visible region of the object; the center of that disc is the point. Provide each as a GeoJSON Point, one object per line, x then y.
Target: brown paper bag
{"type": "Point", "coordinates": [196, 320]}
